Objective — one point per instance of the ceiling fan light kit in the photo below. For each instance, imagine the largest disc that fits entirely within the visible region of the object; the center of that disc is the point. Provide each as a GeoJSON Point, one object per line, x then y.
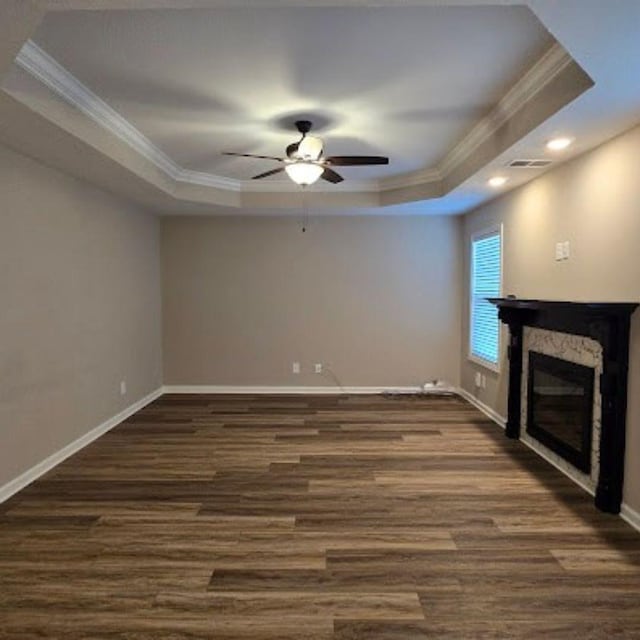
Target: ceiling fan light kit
{"type": "Point", "coordinates": [303, 172]}
{"type": "Point", "coordinates": [305, 163]}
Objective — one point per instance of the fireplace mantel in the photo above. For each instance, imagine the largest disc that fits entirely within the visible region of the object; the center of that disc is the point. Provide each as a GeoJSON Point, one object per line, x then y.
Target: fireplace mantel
{"type": "Point", "coordinates": [559, 310]}
{"type": "Point", "coordinates": [607, 323]}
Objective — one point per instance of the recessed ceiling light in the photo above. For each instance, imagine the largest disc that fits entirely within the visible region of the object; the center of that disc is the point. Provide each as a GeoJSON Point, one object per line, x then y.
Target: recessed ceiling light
{"type": "Point", "coordinates": [559, 144]}
{"type": "Point", "coordinates": [497, 181]}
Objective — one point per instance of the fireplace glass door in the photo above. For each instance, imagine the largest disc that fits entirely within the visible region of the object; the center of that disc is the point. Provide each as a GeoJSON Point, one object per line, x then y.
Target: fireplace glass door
{"type": "Point", "coordinates": [560, 407]}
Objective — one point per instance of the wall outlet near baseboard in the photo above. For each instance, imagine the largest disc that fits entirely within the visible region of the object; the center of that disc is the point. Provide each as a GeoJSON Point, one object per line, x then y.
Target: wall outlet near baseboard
{"type": "Point", "coordinates": [317, 367]}
{"type": "Point", "coordinates": [480, 380]}
{"type": "Point", "coordinates": [123, 387]}
{"type": "Point", "coordinates": [295, 367]}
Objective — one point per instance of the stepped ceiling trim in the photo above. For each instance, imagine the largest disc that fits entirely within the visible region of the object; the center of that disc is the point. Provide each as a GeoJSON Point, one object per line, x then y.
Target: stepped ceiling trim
{"type": "Point", "coordinates": [47, 70]}
{"type": "Point", "coordinates": [42, 66]}
{"type": "Point", "coordinates": [546, 69]}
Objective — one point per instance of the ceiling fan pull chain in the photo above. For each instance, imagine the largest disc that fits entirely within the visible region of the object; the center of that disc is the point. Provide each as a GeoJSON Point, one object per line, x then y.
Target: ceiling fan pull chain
{"type": "Point", "coordinates": [305, 210]}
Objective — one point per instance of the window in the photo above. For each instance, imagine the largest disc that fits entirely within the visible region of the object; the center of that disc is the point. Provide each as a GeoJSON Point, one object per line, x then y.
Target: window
{"type": "Point", "coordinates": [486, 282]}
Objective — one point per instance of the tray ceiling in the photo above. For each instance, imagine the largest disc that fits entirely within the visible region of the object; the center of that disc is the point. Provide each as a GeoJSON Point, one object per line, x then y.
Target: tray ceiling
{"type": "Point", "coordinates": [408, 82]}
{"type": "Point", "coordinates": [141, 96]}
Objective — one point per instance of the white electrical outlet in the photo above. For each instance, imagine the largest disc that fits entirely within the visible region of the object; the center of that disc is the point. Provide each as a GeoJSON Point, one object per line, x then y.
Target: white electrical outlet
{"type": "Point", "coordinates": [295, 367]}
{"type": "Point", "coordinates": [478, 379]}
{"type": "Point", "coordinates": [123, 387]}
{"type": "Point", "coordinates": [484, 381]}
{"type": "Point", "coordinates": [318, 367]}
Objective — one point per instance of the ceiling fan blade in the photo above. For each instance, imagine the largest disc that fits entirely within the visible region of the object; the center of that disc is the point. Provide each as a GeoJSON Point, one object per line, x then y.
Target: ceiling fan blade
{"type": "Point", "coordinates": [331, 176]}
{"type": "Point", "coordinates": [266, 174]}
{"type": "Point", "coordinates": [353, 161]}
{"type": "Point", "coordinates": [250, 155]}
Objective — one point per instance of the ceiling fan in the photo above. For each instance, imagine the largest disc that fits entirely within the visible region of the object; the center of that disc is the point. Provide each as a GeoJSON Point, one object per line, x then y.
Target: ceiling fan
{"type": "Point", "coordinates": [305, 163]}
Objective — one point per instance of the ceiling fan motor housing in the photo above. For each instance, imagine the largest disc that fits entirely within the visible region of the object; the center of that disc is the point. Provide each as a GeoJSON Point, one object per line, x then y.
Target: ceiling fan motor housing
{"type": "Point", "coordinates": [303, 126]}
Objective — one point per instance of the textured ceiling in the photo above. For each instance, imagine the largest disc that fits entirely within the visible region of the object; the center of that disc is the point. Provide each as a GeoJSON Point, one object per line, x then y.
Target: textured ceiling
{"type": "Point", "coordinates": [407, 82]}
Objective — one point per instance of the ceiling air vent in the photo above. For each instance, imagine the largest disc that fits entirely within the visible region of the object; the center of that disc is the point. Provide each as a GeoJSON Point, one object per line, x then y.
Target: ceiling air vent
{"type": "Point", "coordinates": [529, 164]}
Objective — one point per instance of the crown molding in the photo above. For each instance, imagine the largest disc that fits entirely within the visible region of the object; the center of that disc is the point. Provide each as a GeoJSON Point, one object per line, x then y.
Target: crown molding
{"type": "Point", "coordinates": [431, 174]}
{"type": "Point", "coordinates": [42, 66]}
{"type": "Point", "coordinates": [552, 63]}
{"type": "Point", "coordinates": [51, 73]}
{"type": "Point", "coordinates": [209, 180]}
{"type": "Point", "coordinates": [37, 62]}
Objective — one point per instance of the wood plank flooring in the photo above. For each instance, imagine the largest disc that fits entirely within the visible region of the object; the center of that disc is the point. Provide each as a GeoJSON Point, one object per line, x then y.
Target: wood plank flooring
{"type": "Point", "coordinates": [342, 518]}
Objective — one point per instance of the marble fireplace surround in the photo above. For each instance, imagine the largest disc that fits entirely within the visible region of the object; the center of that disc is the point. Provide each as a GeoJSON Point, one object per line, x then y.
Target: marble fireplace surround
{"type": "Point", "coordinates": [579, 350]}
{"type": "Point", "coordinates": [590, 333]}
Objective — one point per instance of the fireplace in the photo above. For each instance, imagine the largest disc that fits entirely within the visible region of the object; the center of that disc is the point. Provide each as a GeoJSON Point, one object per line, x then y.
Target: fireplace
{"type": "Point", "coordinates": [560, 407]}
{"type": "Point", "coordinates": [594, 335]}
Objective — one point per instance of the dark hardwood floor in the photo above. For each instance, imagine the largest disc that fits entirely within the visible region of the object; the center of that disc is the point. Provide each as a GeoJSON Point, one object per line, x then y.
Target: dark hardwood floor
{"type": "Point", "coordinates": [312, 518]}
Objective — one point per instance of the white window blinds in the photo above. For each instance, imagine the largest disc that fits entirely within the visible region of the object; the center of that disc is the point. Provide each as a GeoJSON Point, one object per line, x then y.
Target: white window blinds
{"type": "Point", "coordinates": [486, 278]}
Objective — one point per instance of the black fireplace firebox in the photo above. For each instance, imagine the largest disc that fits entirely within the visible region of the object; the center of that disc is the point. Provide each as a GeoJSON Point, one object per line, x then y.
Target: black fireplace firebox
{"type": "Point", "coordinates": [560, 407]}
{"type": "Point", "coordinates": [605, 322]}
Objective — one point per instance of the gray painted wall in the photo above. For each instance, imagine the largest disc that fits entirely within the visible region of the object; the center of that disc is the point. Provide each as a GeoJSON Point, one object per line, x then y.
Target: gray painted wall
{"type": "Point", "coordinates": [374, 298]}
{"type": "Point", "coordinates": [80, 290]}
{"type": "Point", "coordinates": [594, 203]}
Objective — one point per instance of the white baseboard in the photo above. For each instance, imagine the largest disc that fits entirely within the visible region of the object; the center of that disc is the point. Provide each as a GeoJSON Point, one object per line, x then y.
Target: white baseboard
{"type": "Point", "coordinates": [487, 410]}
{"type": "Point", "coordinates": [501, 421]}
{"type": "Point", "coordinates": [630, 516]}
{"type": "Point", "coordinates": [26, 478]}
{"type": "Point", "coordinates": [278, 390]}
{"type": "Point", "coordinates": [552, 462]}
